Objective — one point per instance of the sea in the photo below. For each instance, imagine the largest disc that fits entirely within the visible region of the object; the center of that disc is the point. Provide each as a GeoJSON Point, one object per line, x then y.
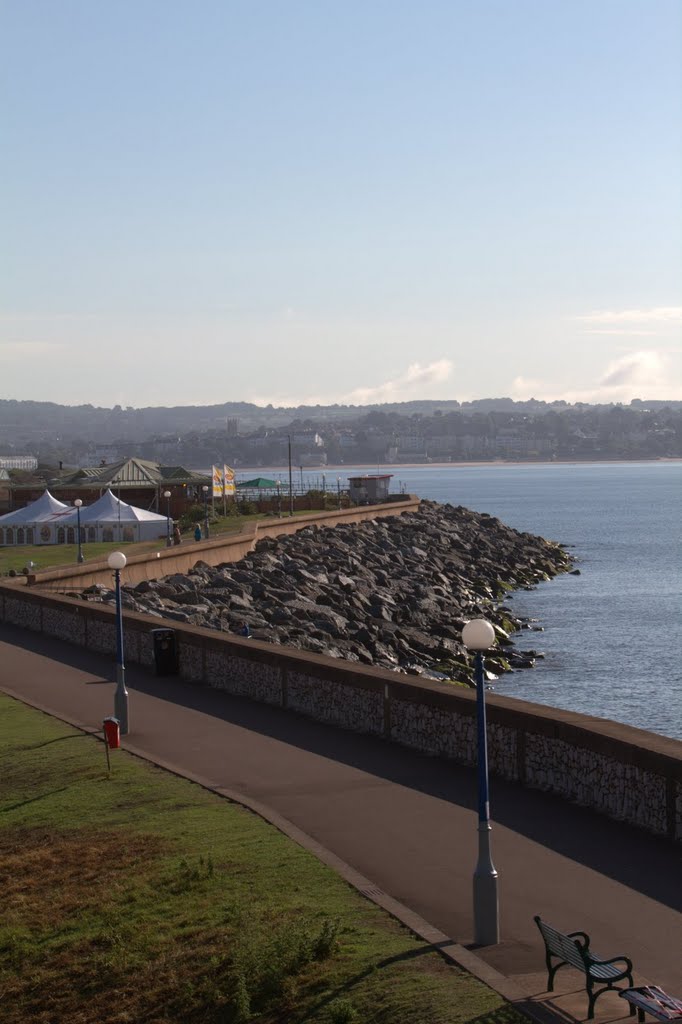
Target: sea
{"type": "Point", "coordinates": [612, 636]}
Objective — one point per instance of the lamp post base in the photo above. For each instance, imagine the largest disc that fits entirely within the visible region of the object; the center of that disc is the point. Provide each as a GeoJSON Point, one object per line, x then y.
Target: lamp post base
{"type": "Point", "coordinates": [486, 906]}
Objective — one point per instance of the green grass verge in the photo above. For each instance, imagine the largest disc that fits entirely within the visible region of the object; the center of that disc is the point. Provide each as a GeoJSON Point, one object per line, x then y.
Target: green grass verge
{"type": "Point", "coordinates": [51, 556]}
{"type": "Point", "coordinates": [141, 897]}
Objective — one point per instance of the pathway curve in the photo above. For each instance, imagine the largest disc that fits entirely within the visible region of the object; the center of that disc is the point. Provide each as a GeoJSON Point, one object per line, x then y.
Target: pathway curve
{"type": "Point", "coordinates": [405, 821]}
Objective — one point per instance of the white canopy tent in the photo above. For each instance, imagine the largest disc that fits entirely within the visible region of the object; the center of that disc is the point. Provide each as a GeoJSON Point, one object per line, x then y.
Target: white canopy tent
{"type": "Point", "coordinates": [33, 524]}
{"type": "Point", "coordinates": [48, 521]}
{"type": "Point", "coordinates": [110, 519]}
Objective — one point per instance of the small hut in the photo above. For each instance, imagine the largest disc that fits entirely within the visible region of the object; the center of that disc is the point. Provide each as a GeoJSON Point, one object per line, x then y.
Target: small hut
{"type": "Point", "coordinates": [369, 490]}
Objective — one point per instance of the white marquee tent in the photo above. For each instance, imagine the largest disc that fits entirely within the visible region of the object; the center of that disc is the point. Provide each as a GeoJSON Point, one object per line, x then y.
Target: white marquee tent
{"type": "Point", "coordinates": [48, 521]}
{"type": "Point", "coordinates": [34, 523]}
{"type": "Point", "coordinates": [109, 518]}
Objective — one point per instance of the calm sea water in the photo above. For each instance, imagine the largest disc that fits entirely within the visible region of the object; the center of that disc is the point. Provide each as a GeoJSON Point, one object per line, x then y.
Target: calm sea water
{"type": "Point", "coordinates": [613, 635]}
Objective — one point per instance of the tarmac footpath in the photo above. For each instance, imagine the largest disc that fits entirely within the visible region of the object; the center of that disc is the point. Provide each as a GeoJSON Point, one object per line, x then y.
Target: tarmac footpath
{"type": "Point", "coordinates": [399, 826]}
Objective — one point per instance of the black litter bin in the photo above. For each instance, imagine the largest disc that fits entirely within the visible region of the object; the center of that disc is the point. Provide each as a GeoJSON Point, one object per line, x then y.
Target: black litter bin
{"type": "Point", "coordinates": [165, 652]}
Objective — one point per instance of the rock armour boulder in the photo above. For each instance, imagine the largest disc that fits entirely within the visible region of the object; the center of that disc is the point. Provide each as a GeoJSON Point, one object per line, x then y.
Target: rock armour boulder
{"type": "Point", "coordinates": [393, 592]}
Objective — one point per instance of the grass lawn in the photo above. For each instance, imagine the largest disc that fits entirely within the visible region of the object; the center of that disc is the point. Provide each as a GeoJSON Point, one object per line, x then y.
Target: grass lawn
{"type": "Point", "coordinates": [141, 898]}
{"type": "Point", "coordinates": [50, 556]}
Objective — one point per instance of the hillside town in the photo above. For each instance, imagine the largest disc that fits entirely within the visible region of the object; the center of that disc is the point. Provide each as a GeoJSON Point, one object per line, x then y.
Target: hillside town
{"type": "Point", "coordinates": [407, 433]}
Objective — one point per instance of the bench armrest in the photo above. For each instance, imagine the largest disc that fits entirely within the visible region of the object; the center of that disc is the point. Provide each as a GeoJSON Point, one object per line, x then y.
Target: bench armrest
{"type": "Point", "coordinates": [580, 935]}
{"type": "Point", "coordinates": [614, 960]}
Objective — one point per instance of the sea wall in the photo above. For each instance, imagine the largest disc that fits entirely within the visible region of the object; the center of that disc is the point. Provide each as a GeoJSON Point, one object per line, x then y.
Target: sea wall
{"type": "Point", "coordinates": [625, 773]}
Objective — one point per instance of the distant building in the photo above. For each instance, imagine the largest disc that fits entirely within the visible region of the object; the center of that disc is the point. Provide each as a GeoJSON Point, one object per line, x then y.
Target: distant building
{"type": "Point", "coordinates": [18, 462]}
{"type": "Point", "coordinates": [368, 490]}
{"type": "Point", "coordinates": [135, 481]}
{"type": "Point", "coordinates": [310, 438]}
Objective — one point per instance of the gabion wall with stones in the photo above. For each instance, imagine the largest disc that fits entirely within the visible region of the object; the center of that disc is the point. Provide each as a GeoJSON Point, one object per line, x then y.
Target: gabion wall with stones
{"type": "Point", "coordinates": [346, 706]}
{"type": "Point", "coordinates": [243, 677]}
{"type": "Point", "coordinates": [621, 791]}
{"type": "Point", "coordinates": [449, 733]}
{"type": "Point", "coordinates": [524, 751]}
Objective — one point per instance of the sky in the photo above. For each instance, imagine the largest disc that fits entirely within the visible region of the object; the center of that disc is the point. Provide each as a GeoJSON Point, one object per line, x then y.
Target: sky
{"type": "Point", "coordinates": [358, 201]}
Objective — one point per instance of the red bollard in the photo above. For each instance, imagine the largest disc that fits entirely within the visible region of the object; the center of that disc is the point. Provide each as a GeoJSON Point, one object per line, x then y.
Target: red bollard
{"type": "Point", "coordinates": [112, 733]}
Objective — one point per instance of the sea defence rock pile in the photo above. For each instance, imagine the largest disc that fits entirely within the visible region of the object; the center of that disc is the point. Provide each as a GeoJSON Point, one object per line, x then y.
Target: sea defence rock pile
{"type": "Point", "coordinates": [392, 592]}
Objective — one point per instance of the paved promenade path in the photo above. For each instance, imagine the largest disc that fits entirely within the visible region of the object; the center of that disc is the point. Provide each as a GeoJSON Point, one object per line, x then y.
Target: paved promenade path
{"type": "Point", "coordinates": [406, 822]}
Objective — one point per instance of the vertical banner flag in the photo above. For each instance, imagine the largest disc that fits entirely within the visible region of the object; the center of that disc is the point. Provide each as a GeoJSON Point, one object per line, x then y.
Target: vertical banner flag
{"type": "Point", "coordinates": [217, 482]}
{"type": "Point", "coordinates": [228, 478]}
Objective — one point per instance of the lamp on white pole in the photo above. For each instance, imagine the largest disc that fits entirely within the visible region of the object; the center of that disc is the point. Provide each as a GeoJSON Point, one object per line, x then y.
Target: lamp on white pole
{"type": "Point", "coordinates": [478, 635]}
{"type": "Point", "coordinates": [81, 556]}
{"type": "Point", "coordinates": [117, 561]}
{"type": "Point", "coordinates": [205, 490]}
{"type": "Point", "coordinates": [291, 488]}
{"type": "Point", "coordinates": [167, 496]}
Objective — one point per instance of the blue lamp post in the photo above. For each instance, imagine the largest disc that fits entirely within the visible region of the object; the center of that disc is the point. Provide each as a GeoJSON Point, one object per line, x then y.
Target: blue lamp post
{"type": "Point", "coordinates": [279, 499]}
{"type": "Point", "coordinates": [167, 496]}
{"type": "Point", "coordinates": [117, 561]}
{"type": "Point", "coordinates": [478, 635]}
{"type": "Point", "coordinates": [81, 556]}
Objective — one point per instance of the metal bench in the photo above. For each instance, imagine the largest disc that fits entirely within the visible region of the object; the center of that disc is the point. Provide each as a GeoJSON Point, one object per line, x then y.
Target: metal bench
{"type": "Point", "coordinates": [574, 950]}
{"type": "Point", "coordinates": [653, 1000]}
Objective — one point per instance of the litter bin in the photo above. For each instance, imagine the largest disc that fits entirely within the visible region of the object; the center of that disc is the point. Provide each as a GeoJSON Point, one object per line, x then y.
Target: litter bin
{"type": "Point", "coordinates": [165, 652]}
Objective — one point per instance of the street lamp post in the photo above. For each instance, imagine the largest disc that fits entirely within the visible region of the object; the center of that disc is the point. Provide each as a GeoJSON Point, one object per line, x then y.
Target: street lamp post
{"type": "Point", "coordinates": [338, 491]}
{"type": "Point", "coordinates": [279, 498]}
{"type": "Point", "coordinates": [205, 490]}
{"type": "Point", "coordinates": [117, 561]}
{"type": "Point", "coordinates": [291, 486]}
{"type": "Point", "coordinates": [478, 635]}
{"type": "Point", "coordinates": [167, 496]}
{"type": "Point", "coordinates": [81, 556]}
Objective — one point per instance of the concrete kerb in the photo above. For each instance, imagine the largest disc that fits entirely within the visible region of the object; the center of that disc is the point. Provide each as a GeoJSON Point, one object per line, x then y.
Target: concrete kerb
{"type": "Point", "coordinates": [441, 943]}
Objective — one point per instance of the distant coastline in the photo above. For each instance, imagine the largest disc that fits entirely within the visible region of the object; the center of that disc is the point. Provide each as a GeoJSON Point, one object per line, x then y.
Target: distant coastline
{"type": "Point", "coordinates": [394, 467]}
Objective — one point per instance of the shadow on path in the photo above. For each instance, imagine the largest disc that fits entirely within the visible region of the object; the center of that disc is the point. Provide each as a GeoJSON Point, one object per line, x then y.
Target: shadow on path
{"type": "Point", "coordinates": [645, 863]}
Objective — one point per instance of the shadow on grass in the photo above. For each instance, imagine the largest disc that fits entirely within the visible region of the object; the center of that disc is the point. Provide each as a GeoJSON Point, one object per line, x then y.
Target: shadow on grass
{"type": "Point", "coordinates": [33, 799]}
{"type": "Point", "coordinates": [57, 739]}
{"type": "Point", "coordinates": [351, 983]}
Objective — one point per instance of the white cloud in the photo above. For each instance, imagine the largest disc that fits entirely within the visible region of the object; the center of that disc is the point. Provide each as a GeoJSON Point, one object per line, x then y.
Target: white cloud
{"type": "Point", "coordinates": [524, 388]}
{"type": "Point", "coordinates": [26, 350]}
{"type": "Point", "coordinates": [625, 321]}
{"type": "Point", "coordinates": [417, 382]}
{"type": "Point", "coordinates": [642, 374]}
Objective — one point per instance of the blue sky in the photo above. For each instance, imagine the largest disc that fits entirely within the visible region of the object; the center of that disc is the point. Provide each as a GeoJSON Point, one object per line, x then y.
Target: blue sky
{"type": "Point", "coordinates": [340, 201]}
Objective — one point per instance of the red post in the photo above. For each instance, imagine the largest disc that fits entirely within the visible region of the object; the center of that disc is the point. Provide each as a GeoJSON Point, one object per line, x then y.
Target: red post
{"type": "Point", "coordinates": [112, 733]}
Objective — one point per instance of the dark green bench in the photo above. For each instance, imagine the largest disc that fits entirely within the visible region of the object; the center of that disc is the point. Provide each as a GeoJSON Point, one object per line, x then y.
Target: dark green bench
{"type": "Point", "coordinates": [573, 950]}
